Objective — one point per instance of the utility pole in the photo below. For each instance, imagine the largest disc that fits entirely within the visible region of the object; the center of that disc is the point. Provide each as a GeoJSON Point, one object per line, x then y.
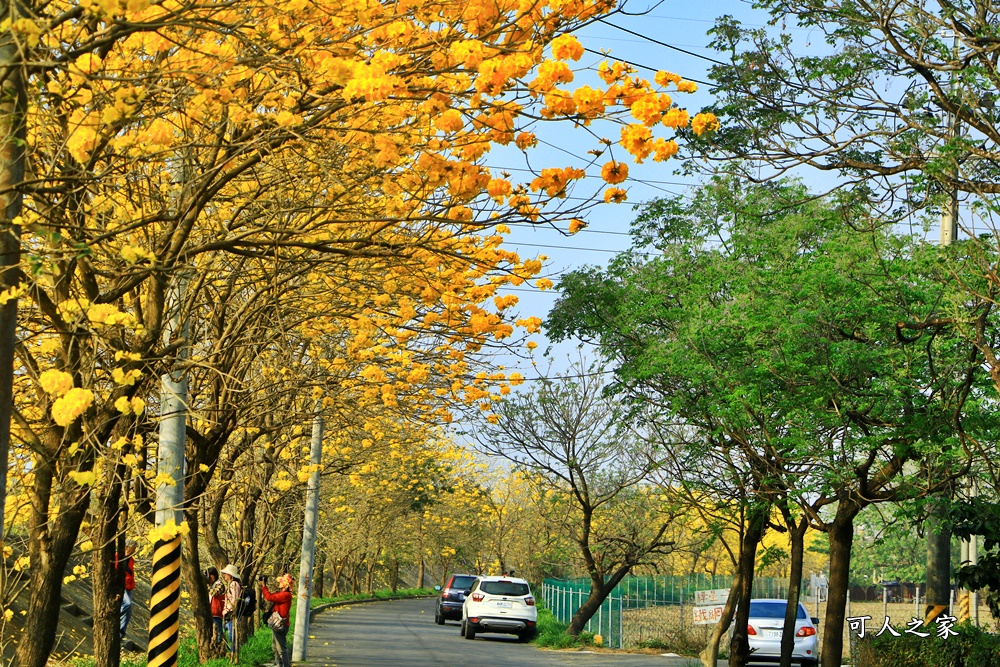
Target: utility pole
{"type": "Point", "coordinates": [164, 603]}
{"type": "Point", "coordinates": [938, 535]}
{"type": "Point", "coordinates": [300, 638]}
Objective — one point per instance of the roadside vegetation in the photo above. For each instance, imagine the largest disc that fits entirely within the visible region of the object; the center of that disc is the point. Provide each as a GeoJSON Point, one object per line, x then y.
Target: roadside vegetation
{"type": "Point", "coordinates": [552, 633]}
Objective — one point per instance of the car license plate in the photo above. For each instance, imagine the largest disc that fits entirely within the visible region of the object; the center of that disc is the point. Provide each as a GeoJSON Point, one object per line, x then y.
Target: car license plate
{"type": "Point", "coordinates": [772, 634]}
{"type": "Point", "coordinates": [504, 603]}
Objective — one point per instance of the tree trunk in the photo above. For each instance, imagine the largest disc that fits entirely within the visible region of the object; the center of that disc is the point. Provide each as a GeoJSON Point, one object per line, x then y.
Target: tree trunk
{"type": "Point", "coordinates": [710, 654]}
{"type": "Point", "coordinates": [797, 537]}
{"type": "Point", "coordinates": [370, 575]}
{"type": "Point", "coordinates": [395, 575]}
{"type": "Point", "coordinates": [50, 545]}
{"type": "Point", "coordinates": [420, 572]}
{"type": "Point", "coordinates": [739, 646]}
{"type": "Point", "coordinates": [841, 532]}
{"type": "Point", "coordinates": [338, 575]}
{"type": "Point", "coordinates": [107, 581]}
{"type": "Point", "coordinates": [13, 129]}
{"type": "Point", "coordinates": [938, 595]}
{"type": "Point", "coordinates": [599, 591]}
{"type": "Point", "coordinates": [318, 575]}
{"type": "Point", "coordinates": [214, 518]}
{"type": "Point", "coordinates": [197, 586]}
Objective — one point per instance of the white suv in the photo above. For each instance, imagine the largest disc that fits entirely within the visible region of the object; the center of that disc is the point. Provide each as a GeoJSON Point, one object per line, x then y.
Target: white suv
{"type": "Point", "coordinates": [500, 604]}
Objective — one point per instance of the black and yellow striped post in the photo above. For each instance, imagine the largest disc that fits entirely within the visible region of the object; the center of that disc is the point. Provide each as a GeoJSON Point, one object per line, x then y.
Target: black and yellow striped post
{"type": "Point", "coordinates": [962, 608]}
{"type": "Point", "coordinates": [165, 579]}
{"type": "Point", "coordinates": [165, 603]}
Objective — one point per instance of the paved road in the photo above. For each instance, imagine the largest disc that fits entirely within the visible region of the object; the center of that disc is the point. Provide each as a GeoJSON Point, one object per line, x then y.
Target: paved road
{"type": "Point", "coordinates": [403, 634]}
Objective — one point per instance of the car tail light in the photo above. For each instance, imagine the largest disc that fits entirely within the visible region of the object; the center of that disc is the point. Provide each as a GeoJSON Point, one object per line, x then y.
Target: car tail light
{"type": "Point", "coordinates": [750, 630]}
{"type": "Point", "coordinates": [477, 597]}
{"type": "Point", "coordinates": [530, 601]}
{"type": "Point", "coordinates": [806, 631]}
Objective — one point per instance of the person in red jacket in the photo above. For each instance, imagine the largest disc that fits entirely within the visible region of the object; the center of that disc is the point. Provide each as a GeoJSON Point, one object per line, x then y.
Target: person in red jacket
{"type": "Point", "coordinates": [217, 596]}
{"type": "Point", "coordinates": [126, 610]}
{"type": "Point", "coordinates": [279, 631]}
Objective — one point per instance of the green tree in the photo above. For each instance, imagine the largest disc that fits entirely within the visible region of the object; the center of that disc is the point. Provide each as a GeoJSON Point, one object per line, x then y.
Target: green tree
{"type": "Point", "coordinates": [771, 327]}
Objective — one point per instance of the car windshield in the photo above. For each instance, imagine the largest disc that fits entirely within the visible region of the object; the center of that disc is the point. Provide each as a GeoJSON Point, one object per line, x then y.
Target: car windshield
{"type": "Point", "coordinates": [462, 582]}
{"type": "Point", "coordinates": [774, 609]}
{"type": "Point", "coordinates": [504, 588]}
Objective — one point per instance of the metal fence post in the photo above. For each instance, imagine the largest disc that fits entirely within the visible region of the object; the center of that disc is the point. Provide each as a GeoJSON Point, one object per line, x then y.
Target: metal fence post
{"type": "Point", "coordinates": [600, 618]}
{"type": "Point", "coordinates": [621, 625]}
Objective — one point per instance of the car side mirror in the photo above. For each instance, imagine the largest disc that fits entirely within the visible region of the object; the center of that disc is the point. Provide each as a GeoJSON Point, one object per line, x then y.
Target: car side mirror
{"type": "Point", "coordinates": [814, 619]}
{"type": "Point", "coordinates": [466, 591]}
{"type": "Point", "coordinates": [437, 588]}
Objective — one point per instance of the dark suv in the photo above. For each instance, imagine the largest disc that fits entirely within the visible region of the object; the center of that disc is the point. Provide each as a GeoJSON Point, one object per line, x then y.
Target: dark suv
{"type": "Point", "coordinates": [449, 604]}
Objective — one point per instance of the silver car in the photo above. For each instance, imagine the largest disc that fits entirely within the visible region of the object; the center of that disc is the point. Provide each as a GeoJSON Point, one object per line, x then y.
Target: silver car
{"type": "Point", "coordinates": [767, 618]}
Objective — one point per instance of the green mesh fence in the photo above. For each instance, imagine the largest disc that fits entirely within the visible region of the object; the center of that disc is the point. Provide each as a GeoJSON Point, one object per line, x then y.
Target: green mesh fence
{"type": "Point", "coordinates": [564, 597]}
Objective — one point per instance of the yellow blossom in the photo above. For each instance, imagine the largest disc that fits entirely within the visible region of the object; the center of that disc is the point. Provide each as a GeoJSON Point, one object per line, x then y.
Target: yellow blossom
{"type": "Point", "coordinates": [567, 47]}
{"type": "Point", "coordinates": [85, 478]}
{"type": "Point", "coordinates": [71, 405]}
{"type": "Point", "coordinates": [614, 195]}
{"type": "Point", "coordinates": [614, 172]}
{"type": "Point", "coordinates": [704, 122]}
{"type": "Point", "coordinates": [168, 531]}
{"type": "Point", "coordinates": [55, 382]}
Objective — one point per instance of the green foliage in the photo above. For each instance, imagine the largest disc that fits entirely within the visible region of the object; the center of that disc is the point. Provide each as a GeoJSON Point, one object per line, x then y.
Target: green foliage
{"type": "Point", "coordinates": [256, 651]}
{"type": "Point", "coordinates": [770, 322]}
{"type": "Point", "coordinates": [552, 633]}
{"type": "Point", "coordinates": [971, 647]}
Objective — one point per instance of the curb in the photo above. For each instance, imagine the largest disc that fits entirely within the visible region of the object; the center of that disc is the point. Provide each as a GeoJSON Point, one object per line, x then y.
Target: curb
{"type": "Point", "coordinates": [344, 603]}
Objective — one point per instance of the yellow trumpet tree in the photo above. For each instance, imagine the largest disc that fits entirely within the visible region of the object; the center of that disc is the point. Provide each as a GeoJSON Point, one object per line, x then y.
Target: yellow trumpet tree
{"type": "Point", "coordinates": [152, 145]}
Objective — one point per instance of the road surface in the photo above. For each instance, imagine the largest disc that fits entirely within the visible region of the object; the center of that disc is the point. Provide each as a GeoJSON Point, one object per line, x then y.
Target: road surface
{"type": "Point", "coordinates": [403, 634]}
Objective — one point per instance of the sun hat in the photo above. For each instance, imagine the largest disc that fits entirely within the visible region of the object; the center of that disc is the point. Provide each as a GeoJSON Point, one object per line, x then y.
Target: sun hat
{"type": "Point", "coordinates": [231, 571]}
{"type": "Point", "coordinates": [285, 581]}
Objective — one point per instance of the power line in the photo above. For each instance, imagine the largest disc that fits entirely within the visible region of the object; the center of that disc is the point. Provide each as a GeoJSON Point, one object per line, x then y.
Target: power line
{"type": "Point", "coordinates": [635, 64]}
{"type": "Point", "coordinates": [512, 242]}
{"type": "Point", "coordinates": [663, 44]}
{"type": "Point", "coordinates": [637, 180]}
{"type": "Point", "coordinates": [747, 25]}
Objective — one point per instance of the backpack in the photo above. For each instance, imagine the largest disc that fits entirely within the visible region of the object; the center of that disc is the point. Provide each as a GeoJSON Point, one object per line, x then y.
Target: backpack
{"type": "Point", "coordinates": [248, 603]}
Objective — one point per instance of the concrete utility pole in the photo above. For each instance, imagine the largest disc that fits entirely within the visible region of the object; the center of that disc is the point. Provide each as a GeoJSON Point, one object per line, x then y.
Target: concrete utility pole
{"type": "Point", "coordinates": [164, 603]}
{"type": "Point", "coordinates": [301, 636]}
